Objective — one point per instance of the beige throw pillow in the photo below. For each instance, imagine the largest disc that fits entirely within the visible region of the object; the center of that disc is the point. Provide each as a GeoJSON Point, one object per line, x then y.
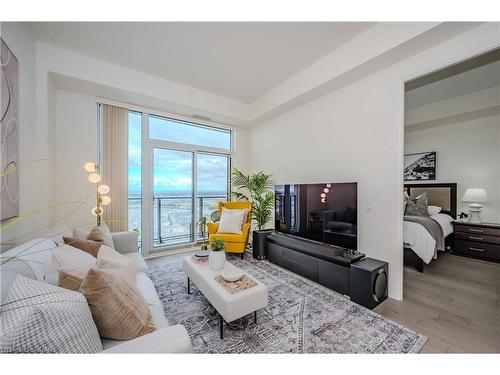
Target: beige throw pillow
{"type": "Point", "coordinates": [231, 221]}
{"type": "Point", "coordinates": [117, 306]}
{"type": "Point", "coordinates": [91, 247]}
{"type": "Point", "coordinates": [103, 235]}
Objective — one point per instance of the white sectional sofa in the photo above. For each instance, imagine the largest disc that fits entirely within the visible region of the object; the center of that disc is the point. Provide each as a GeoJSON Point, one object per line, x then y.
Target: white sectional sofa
{"type": "Point", "coordinates": [33, 259]}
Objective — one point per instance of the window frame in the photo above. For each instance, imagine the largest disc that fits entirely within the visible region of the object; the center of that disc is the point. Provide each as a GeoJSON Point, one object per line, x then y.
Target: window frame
{"type": "Point", "coordinates": [147, 183]}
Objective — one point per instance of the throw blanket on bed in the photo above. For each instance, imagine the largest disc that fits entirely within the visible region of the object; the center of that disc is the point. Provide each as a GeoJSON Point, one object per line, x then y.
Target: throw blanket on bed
{"type": "Point", "coordinates": [432, 226]}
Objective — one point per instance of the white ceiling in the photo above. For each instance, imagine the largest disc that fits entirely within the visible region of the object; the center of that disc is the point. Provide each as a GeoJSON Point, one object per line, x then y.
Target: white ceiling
{"type": "Point", "coordinates": [474, 80]}
{"type": "Point", "coordinates": [241, 61]}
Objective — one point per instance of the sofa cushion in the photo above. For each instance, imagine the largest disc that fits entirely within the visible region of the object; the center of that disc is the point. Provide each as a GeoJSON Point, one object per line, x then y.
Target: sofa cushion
{"type": "Point", "coordinates": [174, 339]}
{"type": "Point", "coordinates": [148, 291]}
{"type": "Point", "coordinates": [117, 306]}
{"type": "Point", "coordinates": [89, 246]}
{"type": "Point", "coordinates": [57, 233]}
{"type": "Point", "coordinates": [139, 262]}
{"type": "Point", "coordinates": [103, 235]}
{"type": "Point", "coordinates": [43, 318]}
{"type": "Point", "coordinates": [31, 259]}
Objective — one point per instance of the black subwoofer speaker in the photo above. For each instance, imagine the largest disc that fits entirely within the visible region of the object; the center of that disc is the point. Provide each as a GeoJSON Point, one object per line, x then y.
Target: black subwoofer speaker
{"type": "Point", "coordinates": [369, 282]}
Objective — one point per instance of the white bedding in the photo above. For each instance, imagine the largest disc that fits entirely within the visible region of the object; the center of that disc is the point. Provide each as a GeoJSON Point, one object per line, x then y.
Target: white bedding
{"type": "Point", "coordinates": [417, 238]}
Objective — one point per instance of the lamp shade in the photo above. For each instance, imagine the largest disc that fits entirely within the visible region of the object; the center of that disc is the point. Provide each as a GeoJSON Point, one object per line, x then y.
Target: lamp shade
{"type": "Point", "coordinates": [475, 195]}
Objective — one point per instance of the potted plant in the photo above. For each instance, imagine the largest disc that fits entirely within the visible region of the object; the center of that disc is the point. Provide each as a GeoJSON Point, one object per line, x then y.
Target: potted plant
{"type": "Point", "coordinates": [217, 256]}
{"type": "Point", "coordinates": [260, 191]}
{"type": "Point", "coordinates": [202, 225]}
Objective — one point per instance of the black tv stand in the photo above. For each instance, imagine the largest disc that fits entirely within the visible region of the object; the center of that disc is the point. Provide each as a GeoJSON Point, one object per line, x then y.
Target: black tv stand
{"type": "Point", "coordinates": [325, 264]}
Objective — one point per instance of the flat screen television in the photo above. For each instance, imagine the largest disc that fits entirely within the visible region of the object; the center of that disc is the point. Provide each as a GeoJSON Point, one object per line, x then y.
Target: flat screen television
{"type": "Point", "coordinates": [325, 212]}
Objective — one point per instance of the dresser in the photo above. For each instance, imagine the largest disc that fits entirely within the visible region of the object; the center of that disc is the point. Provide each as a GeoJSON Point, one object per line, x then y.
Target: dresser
{"type": "Point", "coordinates": [481, 241]}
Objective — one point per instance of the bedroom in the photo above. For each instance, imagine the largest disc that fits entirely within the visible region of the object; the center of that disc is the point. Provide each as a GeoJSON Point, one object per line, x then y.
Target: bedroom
{"type": "Point", "coordinates": [451, 188]}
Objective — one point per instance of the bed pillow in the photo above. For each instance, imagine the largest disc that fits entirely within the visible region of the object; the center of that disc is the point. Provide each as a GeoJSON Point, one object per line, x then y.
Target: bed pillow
{"type": "Point", "coordinates": [417, 206]}
{"type": "Point", "coordinates": [43, 318]}
{"type": "Point", "coordinates": [231, 221]}
{"type": "Point", "coordinates": [433, 210]}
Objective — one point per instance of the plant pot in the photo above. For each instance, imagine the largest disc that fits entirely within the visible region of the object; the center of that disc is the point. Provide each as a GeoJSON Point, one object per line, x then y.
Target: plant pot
{"type": "Point", "coordinates": [259, 243]}
{"type": "Point", "coordinates": [216, 260]}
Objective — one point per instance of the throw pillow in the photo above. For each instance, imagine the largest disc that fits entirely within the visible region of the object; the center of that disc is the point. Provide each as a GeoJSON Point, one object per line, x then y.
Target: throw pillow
{"type": "Point", "coordinates": [102, 234]}
{"type": "Point", "coordinates": [118, 308]}
{"type": "Point", "coordinates": [70, 265]}
{"type": "Point", "coordinates": [433, 210]}
{"type": "Point", "coordinates": [113, 259]}
{"type": "Point", "coordinates": [91, 247]}
{"type": "Point", "coordinates": [417, 206]}
{"type": "Point", "coordinates": [121, 264]}
{"type": "Point", "coordinates": [43, 318]}
{"type": "Point", "coordinates": [231, 221]}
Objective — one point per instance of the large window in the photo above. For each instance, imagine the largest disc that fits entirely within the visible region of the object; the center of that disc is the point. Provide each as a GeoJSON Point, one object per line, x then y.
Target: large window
{"type": "Point", "coordinates": [134, 171]}
{"type": "Point", "coordinates": [177, 179]}
{"type": "Point", "coordinates": [170, 130]}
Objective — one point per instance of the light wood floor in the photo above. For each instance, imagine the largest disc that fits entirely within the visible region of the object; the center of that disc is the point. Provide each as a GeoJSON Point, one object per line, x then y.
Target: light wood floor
{"type": "Point", "coordinates": [455, 303]}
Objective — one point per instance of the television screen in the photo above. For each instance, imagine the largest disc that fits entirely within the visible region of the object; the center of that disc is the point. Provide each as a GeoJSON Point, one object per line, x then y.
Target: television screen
{"type": "Point", "coordinates": [325, 212]}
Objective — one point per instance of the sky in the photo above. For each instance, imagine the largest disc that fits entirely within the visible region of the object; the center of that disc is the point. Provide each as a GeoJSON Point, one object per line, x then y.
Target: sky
{"type": "Point", "coordinates": [173, 169]}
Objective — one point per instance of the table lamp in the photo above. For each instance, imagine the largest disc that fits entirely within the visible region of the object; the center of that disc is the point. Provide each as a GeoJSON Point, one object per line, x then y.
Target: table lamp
{"type": "Point", "coordinates": [475, 196]}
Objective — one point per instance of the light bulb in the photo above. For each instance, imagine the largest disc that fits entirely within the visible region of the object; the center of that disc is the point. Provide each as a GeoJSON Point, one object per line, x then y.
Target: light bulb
{"type": "Point", "coordinates": [323, 195]}
{"type": "Point", "coordinates": [328, 185]}
{"type": "Point", "coordinates": [326, 190]}
{"type": "Point", "coordinates": [103, 189]}
{"type": "Point", "coordinates": [105, 200]}
{"type": "Point", "coordinates": [97, 211]}
{"type": "Point", "coordinates": [94, 178]}
{"type": "Point", "coordinates": [323, 200]}
{"type": "Point", "coordinates": [90, 167]}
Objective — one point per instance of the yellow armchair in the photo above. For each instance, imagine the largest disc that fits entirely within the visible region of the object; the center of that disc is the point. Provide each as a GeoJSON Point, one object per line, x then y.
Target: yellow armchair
{"type": "Point", "coordinates": [235, 243]}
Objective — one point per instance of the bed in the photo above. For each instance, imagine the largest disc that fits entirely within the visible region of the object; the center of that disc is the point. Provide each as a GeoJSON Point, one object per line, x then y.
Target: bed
{"type": "Point", "coordinates": [424, 237]}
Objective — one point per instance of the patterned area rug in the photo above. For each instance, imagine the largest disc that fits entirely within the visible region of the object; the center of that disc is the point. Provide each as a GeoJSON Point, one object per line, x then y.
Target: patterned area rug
{"type": "Point", "coordinates": [301, 317]}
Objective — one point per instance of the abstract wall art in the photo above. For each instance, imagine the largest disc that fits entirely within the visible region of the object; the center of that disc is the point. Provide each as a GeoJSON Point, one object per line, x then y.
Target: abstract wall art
{"type": "Point", "coordinates": [9, 133]}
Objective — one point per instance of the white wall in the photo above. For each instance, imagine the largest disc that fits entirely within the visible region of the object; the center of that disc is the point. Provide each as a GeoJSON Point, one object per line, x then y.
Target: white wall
{"type": "Point", "coordinates": [75, 144]}
{"type": "Point", "coordinates": [21, 43]}
{"type": "Point", "coordinates": [468, 153]}
{"type": "Point", "coordinates": [356, 134]}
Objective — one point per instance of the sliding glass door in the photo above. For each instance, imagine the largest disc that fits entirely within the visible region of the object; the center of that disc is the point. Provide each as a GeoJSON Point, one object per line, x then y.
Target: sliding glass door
{"type": "Point", "coordinates": [179, 171]}
{"type": "Point", "coordinates": [212, 183]}
{"type": "Point", "coordinates": [172, 197]}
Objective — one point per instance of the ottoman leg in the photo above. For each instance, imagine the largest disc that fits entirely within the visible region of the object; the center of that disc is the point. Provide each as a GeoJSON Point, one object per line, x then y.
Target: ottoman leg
{"type": "Point", "coordinates": [189, 286]}
{"type": "Point", "coordinates": [255, 317]}
{"type": "Point", "coordinates": [221, 327]}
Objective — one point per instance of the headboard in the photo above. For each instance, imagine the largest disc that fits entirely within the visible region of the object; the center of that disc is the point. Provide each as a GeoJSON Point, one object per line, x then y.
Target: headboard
{"type": "Point", "coordinates": [438, 194]}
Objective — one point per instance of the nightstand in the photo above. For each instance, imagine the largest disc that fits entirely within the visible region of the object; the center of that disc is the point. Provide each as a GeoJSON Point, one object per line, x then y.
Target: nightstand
{"type": "Point", "coordinates": [481, 241]}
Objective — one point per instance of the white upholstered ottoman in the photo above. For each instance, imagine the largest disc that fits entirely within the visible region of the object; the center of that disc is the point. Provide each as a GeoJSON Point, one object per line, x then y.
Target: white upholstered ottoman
{"type": "Point", "coordinates": [229, 306]}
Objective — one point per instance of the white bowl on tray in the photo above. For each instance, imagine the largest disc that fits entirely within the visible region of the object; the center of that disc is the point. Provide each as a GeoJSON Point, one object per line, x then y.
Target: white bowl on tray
{"type": "Point", "coordinates": [231, 275]}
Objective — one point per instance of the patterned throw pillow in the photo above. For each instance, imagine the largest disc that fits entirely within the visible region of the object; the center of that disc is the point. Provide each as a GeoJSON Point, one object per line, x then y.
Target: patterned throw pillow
{"type": "Point", "coordinates": [43, 318]}
{"type": "Point", "coordinates": [417, 206]}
